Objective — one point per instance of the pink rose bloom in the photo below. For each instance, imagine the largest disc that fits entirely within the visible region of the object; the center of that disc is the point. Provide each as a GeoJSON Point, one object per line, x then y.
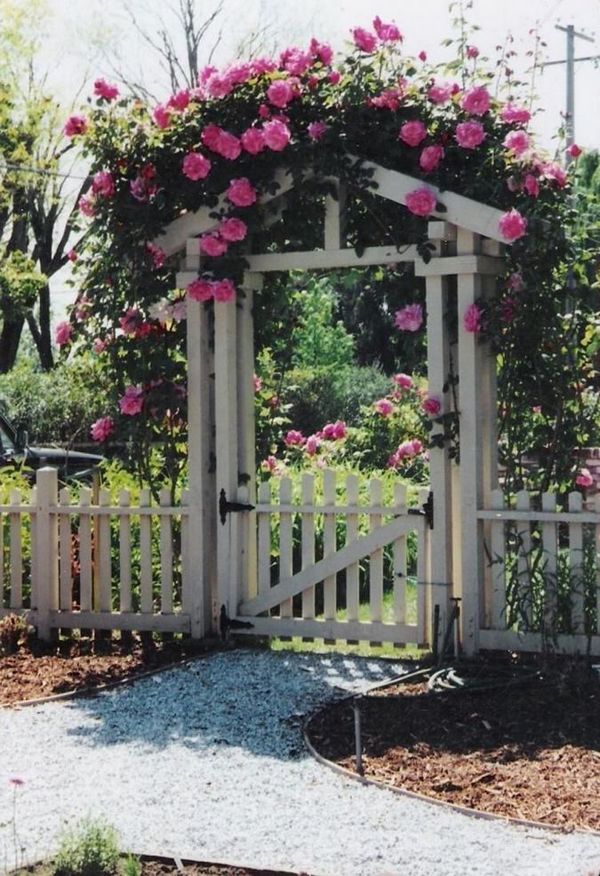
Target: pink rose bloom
{"type": "Point", "coordinates": [515, 282]}
{"type": "Point", "coordinates": [293, 438]}
{"type": "Point", "coordinates": [103, 184]}
{"type": "Point", "coordinates": [409, 318]}
{"type": "Point", "coordinates": [322, 51]}
{"type": "Point", "coordinates": [241, 193]}
{"type": "Point", "coordinates": [531, 185]}
{"type": "Point", "coordinates": [62, 333]}
{"type": "Point", "coordinates": [180, 100]}
{"type": "Point", "coordinates": [277, 135]}
{"type": "Point", "coordinates": [99, 345]}
{"type": "Point", "coordinates": [271, 464]}
{"type": "Point", "coordinates": [213, 245]}
{"type": "Point", "coordinates": [312, 445]}
{"type": "Point", "coordinates": [416, 446]}
{"type": "Point", "coordinates": [574, 151]}
{"type": "Point", "coordinates": [105, 90]}
{"type": "Point", "coordinates": [472, 52]}
{"type": "Point", "coordinates": [224, 290]}
{"type": "Point", "coordinates": [295, 61]}
{"type": "Point", "coordinates": [440, 92]}
{"type": "Point", "coordinates": [75, 125]}
{"type": "Point", "coordinates": [421, 202]}
{"type": "Point", "coordinates": [422, 56]}
{"type": "Point", "coordinates": [157, 254]}
{"type": "Point", "coordinates": [556, 173]}
{"type": "Point", "coordinates": [210, 136]}
{"type": "Point", "coordinates": [387, 33]}
{"type": "Point", "coordinates": [517, 142]}
{"type": "Point", "coordinates": [141, 189]}
{"type": "Point", "coordinates": [72, 255]}
{"type": "Point", "coordinates": [404, 381]}
{"type": "Point", "coordinates": [584, 478]}
{"type": "Point", "coordinates": [413, 133]}
{"type": "Point", "coordinates": [132, 402]}
{"type": "Point", "coordinates": [131, 321]}
{"type": "Point", "coordinates": [233, 230]}
{"type": "Point", "coordinates": [364, 40]}
{"type": "Point", "coordinates": [102, 429]}
{"type": "Point", "coordinates": [476, 101]}
{"type": "Point", "coordinates": [430, 158]}
{"type": "Point", "coordinates": [257, 383]}
{"type": "Point", "coordinates": [280, 93]}
{"type": "Point", "coordinates": [469, 135]}
{"type": "Point", "coordinates": [472, 319]}
{"type": "Point", "coordinates": [195, 166]}
{"type": "Point", "coordinates": [179, 310]}
{"type": "Point", "coordinates": [512, 114]}
{"type": "Point", "coordinates": [431, 405]}
{"type": "Point", "coordinates": [228, 146]}
{"type": "Point", "coordinates": [87, 205]}
{"type": "Point", "coordinates": [253, 141]}
{"type": "Point", "coordinates": [340, 430]}
{"type": "Point", "coordinates": [335, 76]}
{"type": "Point", "coordinates": [512, 225]}
{"type": "Point", "coordinates": [161, 116]}
{"type": "Point", "coordinates": [316, 130]}
{"type": "Point", "coordinates": [384, 407]}
{"type": "Point", "coordinates": [200, 290]}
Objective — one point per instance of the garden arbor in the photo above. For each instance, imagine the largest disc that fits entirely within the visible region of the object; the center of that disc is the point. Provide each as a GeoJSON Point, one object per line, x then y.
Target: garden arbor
{"type": "Point", "coordinates": [224, 548]}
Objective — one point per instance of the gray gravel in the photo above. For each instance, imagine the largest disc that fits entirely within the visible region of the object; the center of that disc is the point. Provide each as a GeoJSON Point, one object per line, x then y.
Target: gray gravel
{"type": "Point", "coordinates": [207, 761]}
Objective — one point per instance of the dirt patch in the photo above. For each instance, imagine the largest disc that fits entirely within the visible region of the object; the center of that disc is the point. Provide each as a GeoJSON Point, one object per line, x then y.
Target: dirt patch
{"type": "Point", "coordinates": [529, 751]}
{"type": "Point", "coordinates": [153, 866]}
{"type": "Point", "coordinates": [41, 670]}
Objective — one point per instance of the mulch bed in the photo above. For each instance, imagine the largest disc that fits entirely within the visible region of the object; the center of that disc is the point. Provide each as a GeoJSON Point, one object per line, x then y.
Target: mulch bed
{"type": "Point", "coordinates": [155, 866]}
{"type": "Point", "coordinates": [530, 751]}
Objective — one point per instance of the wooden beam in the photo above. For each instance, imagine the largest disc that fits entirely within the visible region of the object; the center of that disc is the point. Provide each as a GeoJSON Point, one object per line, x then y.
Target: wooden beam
{"type": "Point", "coordinates": [99, 620]}
{"type": "Point", "coordinates": [330, 629]}
{"type": "Point", "coordinates": [511, 640]}
{"type": "Point", "coordinates": [461, 264]}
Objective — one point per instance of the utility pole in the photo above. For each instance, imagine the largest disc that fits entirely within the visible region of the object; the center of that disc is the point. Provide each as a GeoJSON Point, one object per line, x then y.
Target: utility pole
{"type": "Point", "coordinates": [570, 62]}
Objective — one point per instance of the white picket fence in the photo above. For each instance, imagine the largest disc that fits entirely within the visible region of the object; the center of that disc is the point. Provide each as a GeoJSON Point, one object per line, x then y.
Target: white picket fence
{"type": "Point", "coordinates": [93, 565]}
{"type": "Point", "coordinates": [543, 586]}
{"type": "Point", "coordinates": [340, 565]}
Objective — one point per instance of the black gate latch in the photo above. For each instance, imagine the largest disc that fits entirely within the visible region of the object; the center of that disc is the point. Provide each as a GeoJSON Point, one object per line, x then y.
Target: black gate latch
{"type": "Point", "coordinates": [225, 506]}
{"type": "Point", "coordinates": [426, 510]}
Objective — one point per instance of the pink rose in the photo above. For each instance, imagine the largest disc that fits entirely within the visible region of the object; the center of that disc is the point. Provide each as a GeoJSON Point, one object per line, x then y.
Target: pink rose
{"type": "Point", "coordinates": [512, 114]}
{"type": "Point", "coordinates": [387, 33]}
{"type": "Point", "coordinates": [584, 478]}
{"type": "Point", "coordinates": [476, 101]}
{"type": "Point", "coordinates": [440, 92]}
{"type": "Point", "coordinates": [253, 141]}
{"type": "Point", "coordinates": [413, 133]}
{"type": "Point", "coordinates": [340, 430]}
{"type": "Point", "coordinates": [431, 405]}
{"type": "Point", "coordinates": [132, 402]}
{"type": "Point", "coordinates": [224, 290]}
{"type": "Point", "coordinates": [233, 230]}
{"type": "Point", "coordinates": [409, 318]}
{"type": "Point", "coordinates": [517, 142]}
{"type": "Point", "coordinates": [157, 254]}
{"type": "Point", "coordinates": [180, 100]}
{"type": "Point", "coordinates": [75, 125]}
{"type": "Point", "coordinates": [213, 245]}
{"type": "Point", "coordinates": [72, 255]}
{"type": "Point", "coordinates": [103, 184]}
{"type": "Point", "coordinates": [295, 61]}
{"type": "Point", "coordinates": [321, 51]}
{"type": "Point", "coordinates": [430, 158]}
{"type": "Point", "coordinates": [515, 282]}
{"type": "Point", "coordinates": [312, 445]}
{"type": "Point", "coordinates": [421, 202]}
{"type": "Point", "coordinates": [102, 429]}
{"type": "Point", "coordinates": [161, 116]}
{"type": "Point", "coordinates": [512, 225]}
{"type": "Point", "coordinates": [422, 56]}
{"type": "Point", "coordinates": [556, 173]}
{"type": "Point", "coordinates": [200, 290]}
{"type": "Point", "coordinates": [99, 346]}
{"type": "Point", "coordinates": [258, 384]}
{"type": "Point", "coordinates": [469, 135]}
{"type": "Point", "coordinates": [335, 76]}
{"type": "Point", "coordinates": [384, 407]}
{"type": "Point", "coordinates": [531, 185]}
{"type": "Point", "coordinates": [62, 333]}
{"type": "Point", "coordinates": [210, 137]}
{"type": "Point", "coordinates": [87, 205]}
{"type": "Point", "coordinates": [105, 90]}
{"type": "Point", "coordinates": [228, 146]}
{"type": "Point", "coordinates": [472, 319]}
{"type": "Point", "coordinates": [316, 130]}
{"type": "Point", "coordinates": [280, 93]}
{"type": "Point", "coordinates": [404, 381]}
{"type": "Point", "coordinates": [241, 193]}
{"type": "Point", "coordinates": [277, 135]}
{"type": "Point", "coordinates": [574, 151]}
{"type": "Point", "coordinates": [131, 321]}
{"type": "Point", "coordinates": [195, 166]}
{"type": "Point", "coordinates": [472, 52]}
{"type": "Point", "coordinates": [293, 438]}
{"type": "Point", "coordinates": [364, 40]}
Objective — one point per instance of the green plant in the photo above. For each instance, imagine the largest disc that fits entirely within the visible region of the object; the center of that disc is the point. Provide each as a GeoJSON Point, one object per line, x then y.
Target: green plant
{"type": "Point", "coordinates": [131, 866]}
{"type": "Point", "coordinates": [90, 848]}
{"type": "Point", "coordinates": [13, 633]}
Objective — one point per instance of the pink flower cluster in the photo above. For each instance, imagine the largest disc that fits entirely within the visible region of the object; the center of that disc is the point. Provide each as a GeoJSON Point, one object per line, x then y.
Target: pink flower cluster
{"type": "Point", "coordinates": [584, 478]}
{"type": "Point", "coordinates": [368, 42]}
{"type": "Point", "coordinates": [105, 90]}
{"type": "Point", "coordinates": [132, 402]}
{"type": "Point", "coordinates": [102, 429]}
{"type": "Point", "coordinates": [384, 407]}
{"type": "Point", "coordinates": [63, 333]}
{"type": "Point", "coordinates": [406, 450]}
{"type": "Point", "coordinates": [421, 202]}
{"type": "Point", "coordinates": [409, 318]}
{"type": "Point", "coordinates": [208, 290]}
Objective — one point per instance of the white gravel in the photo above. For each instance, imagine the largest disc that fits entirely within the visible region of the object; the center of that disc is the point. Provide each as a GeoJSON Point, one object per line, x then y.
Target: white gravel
{"type": "Point", "coordinates": [207, 761]}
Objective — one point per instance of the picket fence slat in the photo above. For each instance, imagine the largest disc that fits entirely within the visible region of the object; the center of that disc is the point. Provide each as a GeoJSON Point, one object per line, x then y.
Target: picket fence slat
{"type": "Point", "coordinates": [550, 549]}
{"type": "Point", "coordinates": [308, 543]}
{"type": "Point", "coordinates": [376, 558]}
{"type": "Point", "coordinates": [576, 564]}
{"type": "Point", "coordinates": [85, 551]}
{"type": "Point", "coordinates": [65, 554]}
{"type": "Point", "coordinates": [16, 553]}
{"type": "Point", "coordinates": [166, 555]}
{"type": "Point", "coordinates": [597, 561]}
{"type": "Point", "coordinates": [264, 541]}
{"type": "Point", "coordinates": [329, 545]}
{"type": "Point", "coordinates": [146, 595]}
{"type": "Point", "coordinates": [125, 602]}
{"type": "Point", "coordinates": [102, 558]}
{"type": "Point", "coordinates": [285, 543]}
{"type": "Point", "coordinates": [400, 567]}
{"type": "Point", "coordinates": [353, 569]}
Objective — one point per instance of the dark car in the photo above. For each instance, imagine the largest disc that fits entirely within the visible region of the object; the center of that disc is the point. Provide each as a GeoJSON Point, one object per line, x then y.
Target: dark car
{"type": "Point", "coordinates": [16, 451]}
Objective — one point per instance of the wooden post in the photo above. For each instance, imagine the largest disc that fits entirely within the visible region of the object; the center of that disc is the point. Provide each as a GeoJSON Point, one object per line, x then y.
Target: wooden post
{"type": "Point", "coordinates": [46, 550]}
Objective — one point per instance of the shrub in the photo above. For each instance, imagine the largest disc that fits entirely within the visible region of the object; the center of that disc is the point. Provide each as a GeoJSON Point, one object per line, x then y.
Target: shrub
{"type": "Point", "coordinates": [91, 848]}
{"type": "Point", "coordinates": [13, 633]}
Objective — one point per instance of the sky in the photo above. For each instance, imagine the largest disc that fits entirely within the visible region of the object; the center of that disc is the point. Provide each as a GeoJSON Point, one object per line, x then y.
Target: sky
{"type": "Point", "coordinates": [83, 32]}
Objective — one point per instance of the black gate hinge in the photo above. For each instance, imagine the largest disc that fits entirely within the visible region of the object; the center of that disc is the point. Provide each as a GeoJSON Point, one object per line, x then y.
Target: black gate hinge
{"type": "Point", "coordinates": [225, 506]}
{"type": "Point", "coordinates": [426, 510]}
{"type": "Point", "coordinates": [227, 623]}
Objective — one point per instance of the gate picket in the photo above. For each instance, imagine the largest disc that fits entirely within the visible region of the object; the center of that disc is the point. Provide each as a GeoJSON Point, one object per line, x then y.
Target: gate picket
{"type": "Point", "coordinates": [308, 543]}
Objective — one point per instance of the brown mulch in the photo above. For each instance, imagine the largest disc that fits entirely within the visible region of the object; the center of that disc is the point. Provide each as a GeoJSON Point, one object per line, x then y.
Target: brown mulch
{"type": "Point", "coordinates": [154, 866]}
{"type": "Point", "coordinates": [530, 751]}
{"type": "Point", "coordinates": [40, 671]}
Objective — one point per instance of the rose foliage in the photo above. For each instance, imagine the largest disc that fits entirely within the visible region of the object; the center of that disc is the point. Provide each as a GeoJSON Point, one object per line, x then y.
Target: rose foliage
{"type": "Point", "coordinates": [224, 145]}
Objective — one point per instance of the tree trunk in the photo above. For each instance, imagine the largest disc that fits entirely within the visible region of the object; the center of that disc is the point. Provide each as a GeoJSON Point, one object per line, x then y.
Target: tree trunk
{"type": "Point", "coordinates": [9, 342]}
{"type": "Point", "coordinates": [42, 335]}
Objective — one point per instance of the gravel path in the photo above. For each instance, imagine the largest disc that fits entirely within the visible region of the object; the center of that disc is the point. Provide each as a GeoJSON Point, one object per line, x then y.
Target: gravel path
{"type": "Point", "coordinates": [207, 761]}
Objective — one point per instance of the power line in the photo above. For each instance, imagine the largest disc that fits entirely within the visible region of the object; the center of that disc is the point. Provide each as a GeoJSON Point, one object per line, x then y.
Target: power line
{"type": "Point", "coordinates": [42, 171]}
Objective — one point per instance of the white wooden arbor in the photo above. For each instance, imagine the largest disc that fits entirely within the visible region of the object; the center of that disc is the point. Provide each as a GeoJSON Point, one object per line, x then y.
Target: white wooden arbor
{"type": "Point", "coordinates": [221, 397]}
